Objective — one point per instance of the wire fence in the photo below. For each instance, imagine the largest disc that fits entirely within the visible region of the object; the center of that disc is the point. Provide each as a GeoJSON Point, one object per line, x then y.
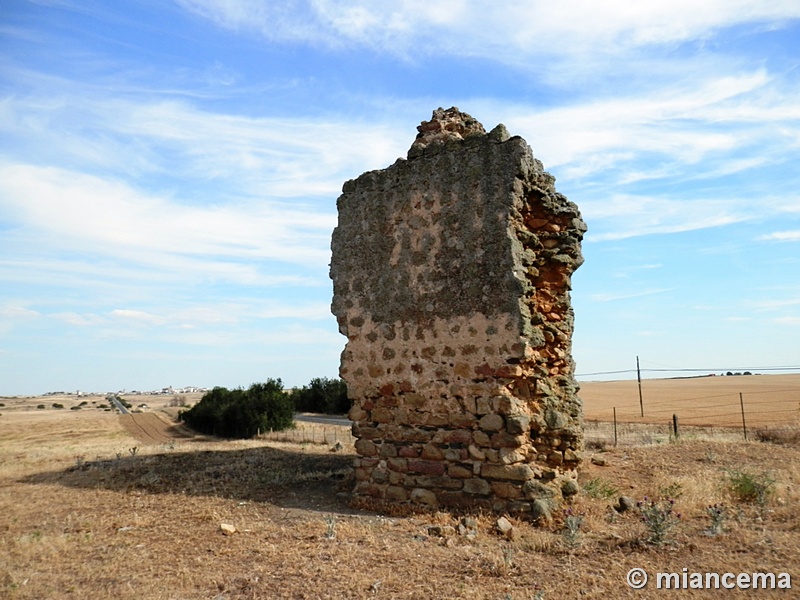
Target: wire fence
{"type": "Point", "coordinates": [661, 414]}
{"type": "Point", "coordinates": [745, 412]}
{"type": "Point", "coordinates": [309, 433]}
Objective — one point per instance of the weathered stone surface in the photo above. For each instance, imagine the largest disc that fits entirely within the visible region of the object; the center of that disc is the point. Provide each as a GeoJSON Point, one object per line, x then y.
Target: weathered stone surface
{"type": "Point", "coordinates": [427, 467]}
{"type": "Point", "coordinates": [421, 496]}
{"type": "Point", "coordinates": [477, 486]}
{"type": "Point", "coordinates": [507, 472]}
{"type": "Point", "coordinates": [396, 493]}
{"type": "Point", "coordinates": [491, 422]}
{"type": "Point", "coordinates": [504, 527]}
{"type": "Point", "coordinates": [451, 273]}
{"type": "Point", "coordinates": [535, 490]}
{"type": "Point", "coordinates": [570, 488]}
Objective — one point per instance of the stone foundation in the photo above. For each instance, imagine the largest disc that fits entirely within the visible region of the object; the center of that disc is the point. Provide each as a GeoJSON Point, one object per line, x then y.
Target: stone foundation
{"type": "Point", "coordinates": [451, 274]}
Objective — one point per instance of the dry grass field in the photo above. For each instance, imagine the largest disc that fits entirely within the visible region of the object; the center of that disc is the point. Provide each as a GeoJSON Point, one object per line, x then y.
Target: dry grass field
{"type": "Point", "coordinates": [93, 507]}
{"type": "Point", "coordinates": [769, 400]}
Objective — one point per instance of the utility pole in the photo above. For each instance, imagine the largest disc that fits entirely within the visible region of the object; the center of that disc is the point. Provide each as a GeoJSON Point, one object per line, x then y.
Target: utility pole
{"type": "Point", "coordinates": [639, 377]}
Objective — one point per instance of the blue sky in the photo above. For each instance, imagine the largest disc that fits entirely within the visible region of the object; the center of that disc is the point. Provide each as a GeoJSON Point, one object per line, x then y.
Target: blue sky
{"type": "Point", "coordinates": [169, 173]}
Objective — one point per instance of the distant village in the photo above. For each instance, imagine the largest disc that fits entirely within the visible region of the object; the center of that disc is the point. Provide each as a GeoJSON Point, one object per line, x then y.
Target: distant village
{"type": "Point", "coordinates": [163, 391]}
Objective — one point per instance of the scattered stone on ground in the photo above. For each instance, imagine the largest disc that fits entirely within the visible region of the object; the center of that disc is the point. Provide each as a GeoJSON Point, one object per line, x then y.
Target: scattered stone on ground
{"type": "Point", "coordinates": [227, 528]}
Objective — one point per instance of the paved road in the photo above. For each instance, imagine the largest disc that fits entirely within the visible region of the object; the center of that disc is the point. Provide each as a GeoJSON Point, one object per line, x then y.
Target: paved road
{"type": "Point", "coordinates": [119, 405]}
{"type": "Point", "coordinates": [324, 419]}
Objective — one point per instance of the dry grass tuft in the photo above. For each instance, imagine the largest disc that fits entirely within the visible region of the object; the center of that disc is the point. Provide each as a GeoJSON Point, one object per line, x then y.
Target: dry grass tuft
{"type": "Point", "coordinates": [788, 436]}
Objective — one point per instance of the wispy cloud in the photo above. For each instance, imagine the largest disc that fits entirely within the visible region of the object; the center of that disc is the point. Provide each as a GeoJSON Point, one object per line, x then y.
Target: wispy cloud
{"type": "Point", "coordinates": [782, 236]}
{"type": "Point", "coordinates": [114, 218]}
{"type": "Point", "coordinates": [179, 142]}
{"type": "Point", "coordinates": [612, 296]}
{"type": "Point", "coordinates": [506, 32]}
{"type": "Point", "coordinates": [624, 216]}
{"type": "Point", "coordinates": [791, 321]}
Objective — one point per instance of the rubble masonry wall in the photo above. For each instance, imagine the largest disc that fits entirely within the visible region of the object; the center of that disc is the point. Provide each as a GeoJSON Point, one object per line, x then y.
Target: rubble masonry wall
{"type": "Point", "coordinates": [451, 275]}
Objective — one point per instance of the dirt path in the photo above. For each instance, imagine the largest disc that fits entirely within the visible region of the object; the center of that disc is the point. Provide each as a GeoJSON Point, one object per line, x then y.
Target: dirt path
{"type": "Point", "coordinates": [149, 428]}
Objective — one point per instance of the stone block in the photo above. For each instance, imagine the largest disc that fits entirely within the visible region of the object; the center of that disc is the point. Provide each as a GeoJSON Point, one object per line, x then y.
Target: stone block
{"type": "Point", "coordinates": [518, 424]}
{"type": "Point", "coordinates": [459, 471]}
{"type": "Point", "coordinates": [506, 490]}
{"type": "Point", "coordinates": [476, 486]}
{"type": "Point", "coordinates": [507, 472]}
{"type": "Point", "coordinates": [408, 451]}
{"type": "Point", "coordinates": [440, 482]}
{"type": "Point", "coordinates": [482, 438]}
{"type": "Point", "coordinates": [396, 493]}
{"type": "Point", "coordinates": [491, 422]}
{"type": "Point", "coordinates": [381, 415]}
{"type": "Point", "coordinates": [432, 452]}
{"type": "Point", "coordinates": [424, 497]}
{"type": "Point", "coordinates": [427, 467]}
{"type": "Point", "coordinates": [366, 448]}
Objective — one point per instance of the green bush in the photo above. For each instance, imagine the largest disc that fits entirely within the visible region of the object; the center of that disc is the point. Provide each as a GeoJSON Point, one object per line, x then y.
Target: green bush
{"type": "Point", "coordinates": [600, 489]}
{"type": "Point", "coordinates": [57, 405]}
{"type": "Point", "coordinates": [322, 395]}
{"type": "Point", "coordinates": [748, 487]}
{"type": "Point", "coordinates": [242, 413]}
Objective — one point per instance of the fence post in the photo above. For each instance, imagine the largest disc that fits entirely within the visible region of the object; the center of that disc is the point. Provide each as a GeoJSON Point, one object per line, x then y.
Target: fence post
{"type": "Point", "coordinates": [639, 378]}
{"type": "Point", "coordinates": [744, 425]}
{"type": "Point", "coordinates": [675, 425]}
{"type": "Point", "coordinates": [615, 426]}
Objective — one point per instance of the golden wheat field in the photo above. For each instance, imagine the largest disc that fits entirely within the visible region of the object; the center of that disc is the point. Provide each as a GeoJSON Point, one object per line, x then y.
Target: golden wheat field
{"type": "Point", "coordinates": [768, 400]}
{"type": "Point", "coordinates": [95, 505]}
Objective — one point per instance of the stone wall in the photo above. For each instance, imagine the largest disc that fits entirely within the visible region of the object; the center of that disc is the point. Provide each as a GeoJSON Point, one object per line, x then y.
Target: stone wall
{"type": "Point", "coordinates": [451, 273]}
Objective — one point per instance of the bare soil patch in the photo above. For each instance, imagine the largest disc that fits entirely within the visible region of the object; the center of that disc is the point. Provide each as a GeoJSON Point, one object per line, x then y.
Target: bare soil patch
{"type": "Point", "coordinates": [151, 428]}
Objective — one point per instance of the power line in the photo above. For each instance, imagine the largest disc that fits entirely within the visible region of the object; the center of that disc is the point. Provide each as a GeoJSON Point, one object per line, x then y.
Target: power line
{"type": "Point", "coordinates": [694, 370]}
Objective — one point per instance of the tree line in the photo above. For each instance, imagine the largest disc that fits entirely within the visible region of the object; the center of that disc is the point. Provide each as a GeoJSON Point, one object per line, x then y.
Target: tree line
{"type": "Point", "coordinates": [244, 413]}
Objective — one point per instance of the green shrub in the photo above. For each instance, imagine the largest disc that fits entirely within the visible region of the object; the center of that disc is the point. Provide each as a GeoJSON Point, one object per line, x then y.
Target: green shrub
{"type": "Point", "coordinates": [322, 395]}
{"type": "Point", "coordinates": [242, 413]}
{"type": "Point", "coordinates": [748, 487]}
{"type": "Point", "coordinates": [57, 405]}
{"type": "Point", "coordinates": [600, 489]}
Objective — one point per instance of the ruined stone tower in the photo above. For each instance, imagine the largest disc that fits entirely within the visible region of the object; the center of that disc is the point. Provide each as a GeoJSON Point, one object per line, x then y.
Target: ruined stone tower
{"type": "Point", "coordinates": [451, 276]}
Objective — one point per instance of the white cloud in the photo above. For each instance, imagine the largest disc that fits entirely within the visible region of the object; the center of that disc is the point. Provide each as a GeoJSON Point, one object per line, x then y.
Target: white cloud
{"type": "Point", "coordinates": [782, 236]}
{"type": "Point", "coordinates": [255, 157]}
{"type": "Point", "coordinates": [138, 316]}
{"type": "Point", "coordinates": [17, 312]}
{"type": "Point", "coordinates": [680, 125]}
{"type": "Point", "coordinates": [623, 216]}
{"type": "Point", "coordinates": [612, 296]}
{"type": "Point", "coordinates": [78, 319]}
{"type": "Point", "coordinates": [508, 31]}
{"type": "Point", "coordinates": [112, 218]}
{"type": "Point", "coordinates": [792, 321]}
